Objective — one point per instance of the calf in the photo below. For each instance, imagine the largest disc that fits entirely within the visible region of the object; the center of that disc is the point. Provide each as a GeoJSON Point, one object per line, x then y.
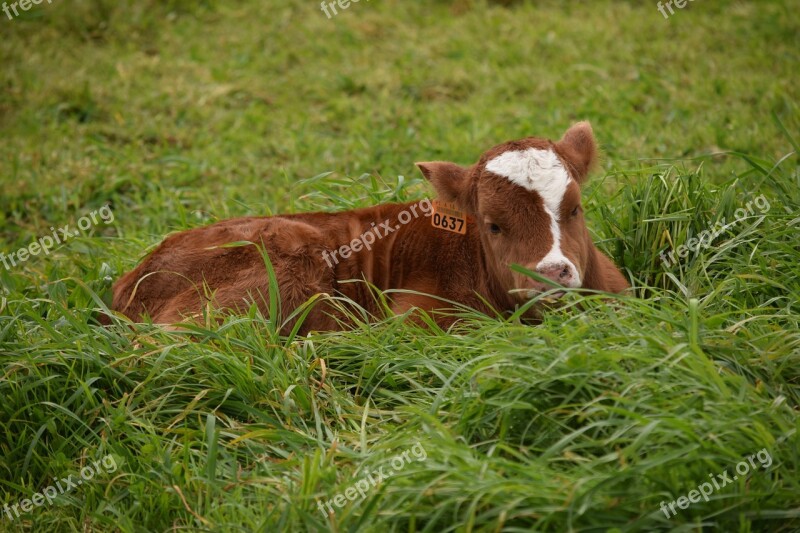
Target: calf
{"type": "Point", "coordinates": [520, 203]}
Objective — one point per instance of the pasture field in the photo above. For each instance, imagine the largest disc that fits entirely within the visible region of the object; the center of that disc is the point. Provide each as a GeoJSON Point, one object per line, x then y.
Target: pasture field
{"type": "Point", "coordinates": [158, 116]}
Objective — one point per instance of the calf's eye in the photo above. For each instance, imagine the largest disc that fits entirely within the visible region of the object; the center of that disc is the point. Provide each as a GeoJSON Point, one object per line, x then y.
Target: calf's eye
{"type": "Point", "coordinates": [494, 229]}
{"type": "Point", "coordinates": [576, 210]}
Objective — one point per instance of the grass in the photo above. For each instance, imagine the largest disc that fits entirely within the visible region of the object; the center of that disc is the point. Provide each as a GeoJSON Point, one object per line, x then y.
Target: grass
{"type": "Point", "coordinates": [180, 113]}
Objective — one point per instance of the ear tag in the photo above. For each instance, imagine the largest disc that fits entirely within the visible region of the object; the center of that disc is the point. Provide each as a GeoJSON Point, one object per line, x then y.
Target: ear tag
{"type": "Point", "coordinates": [447, 216]}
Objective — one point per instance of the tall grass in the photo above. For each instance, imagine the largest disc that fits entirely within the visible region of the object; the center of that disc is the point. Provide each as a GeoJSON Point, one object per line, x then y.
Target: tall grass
{"type": "Point", "coordinates": [590, 419]}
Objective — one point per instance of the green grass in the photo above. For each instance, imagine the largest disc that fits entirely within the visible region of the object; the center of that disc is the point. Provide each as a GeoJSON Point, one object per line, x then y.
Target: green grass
{"type": "Point", "coordinates": [181, 113]}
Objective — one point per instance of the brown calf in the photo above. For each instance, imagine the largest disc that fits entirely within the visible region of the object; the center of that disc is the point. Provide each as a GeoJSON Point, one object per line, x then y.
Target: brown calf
{"type": "Point", "coordinates": [520, 204]}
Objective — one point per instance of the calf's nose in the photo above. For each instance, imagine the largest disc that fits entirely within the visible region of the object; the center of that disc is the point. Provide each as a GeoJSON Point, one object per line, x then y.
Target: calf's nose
{"type": "Point", "coordinates": [558, 272]}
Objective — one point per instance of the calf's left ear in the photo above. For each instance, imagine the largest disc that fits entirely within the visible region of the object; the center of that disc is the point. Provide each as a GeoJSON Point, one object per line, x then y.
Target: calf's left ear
{"type": "Point", "coordinates": [579, 148]}
{"type": "Point", "coordinates": [451, 182]}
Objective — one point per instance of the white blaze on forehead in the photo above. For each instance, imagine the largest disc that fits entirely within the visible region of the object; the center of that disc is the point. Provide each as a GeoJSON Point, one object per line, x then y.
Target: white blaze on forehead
{"type": "Point", "coordinates": [536, 170]}
{"type": "Point", "coordinates": [540, 171]}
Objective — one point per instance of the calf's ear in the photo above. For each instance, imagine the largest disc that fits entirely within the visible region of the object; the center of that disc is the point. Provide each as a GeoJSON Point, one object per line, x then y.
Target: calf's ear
{"type": "Point", "coordinates": [579, 148]}
{"type": "Point", "coordinates": [451, 181]}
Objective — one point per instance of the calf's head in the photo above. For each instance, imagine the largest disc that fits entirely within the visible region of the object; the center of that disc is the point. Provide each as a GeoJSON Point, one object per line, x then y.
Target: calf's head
{"type": "Point", "coordinates": [525, 197]}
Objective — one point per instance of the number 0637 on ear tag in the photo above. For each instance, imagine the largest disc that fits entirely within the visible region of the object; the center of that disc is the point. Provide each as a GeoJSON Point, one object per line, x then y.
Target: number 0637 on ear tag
{"type": "Point", "coordinates": [447, 216]}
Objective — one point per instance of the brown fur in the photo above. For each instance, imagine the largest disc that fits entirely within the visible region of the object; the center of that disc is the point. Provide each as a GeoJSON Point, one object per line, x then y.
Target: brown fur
{"type": "Point", "coordinates": [192, 269]}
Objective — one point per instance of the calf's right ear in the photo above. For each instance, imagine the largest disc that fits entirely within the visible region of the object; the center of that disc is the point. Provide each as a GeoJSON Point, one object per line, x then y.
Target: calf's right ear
{"type": "Point", "coordinates": [451, 182]}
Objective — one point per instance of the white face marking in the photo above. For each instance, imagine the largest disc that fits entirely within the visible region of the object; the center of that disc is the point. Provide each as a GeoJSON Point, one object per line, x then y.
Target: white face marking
{"type": "Point", "coordinates": [540, 171]}
{"type": "Point", "coordinates": [555, 256]}
{"type": "Point", "coordinates": [535, 170]}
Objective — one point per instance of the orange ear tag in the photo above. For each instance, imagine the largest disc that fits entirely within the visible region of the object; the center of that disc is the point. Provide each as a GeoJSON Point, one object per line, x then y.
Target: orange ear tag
{"type": "Point", "coordinates": [447, 216]}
